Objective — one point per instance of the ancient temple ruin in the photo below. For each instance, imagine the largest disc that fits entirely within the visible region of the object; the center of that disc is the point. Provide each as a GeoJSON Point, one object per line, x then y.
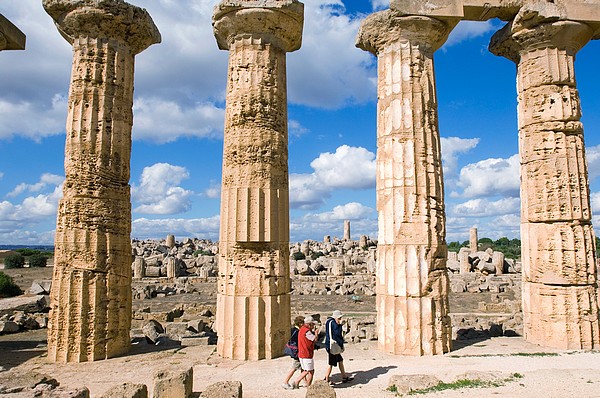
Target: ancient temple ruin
{"type": "Point", "coordinates": [91, 289]}
{"type": "Point", "coordinates": [91, 293]}
{"type": "Point", "coordinates": [560, 296]}
{"type": "Point", "coordinates": [253, 293]}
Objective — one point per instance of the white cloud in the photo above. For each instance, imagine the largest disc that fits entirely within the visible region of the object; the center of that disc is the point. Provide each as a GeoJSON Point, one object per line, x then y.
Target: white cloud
{"type": "Point", "coordinates": [16, 118]}
{"type": "Point", "coordinates": [158, 192]}
{"type": "Point", "coordinates": [380, 4]}
{"type": "Point", "coordinates": [595, 202]}
{"type": "Point", "coordinates": [451, 148]}
{"type": "Point", "coordinates": [18, 221]}
{"type": "Point", "coordinates": [592, 155]}
{"type": "Point", "coordinates": [490, 177]}
{"type": "Point", "coordinates": [163, 121]}
{"type": "Point", "coordinates": [349, 211]}
{"type": "Point", "coordinates": [363, 222]}
{"type": "Point", "coordinates": [466, 30]}
{"type": "Point", "coordinates": [329, 71]}
{"type": "Point", "coordinates": [483, 207]}
{"type": "Point", "coordinates": [206, 228]}
{"type": "Point", "coordinates": [347, 168]}
{"type": "Point", "coordinates": [213, 191]}
{"type": "Point", "coordinates": [45, 180]}
{"type": "Point", "coordinates": [170, 101]}
{"type": "Point", "coordinates": [296, 129]}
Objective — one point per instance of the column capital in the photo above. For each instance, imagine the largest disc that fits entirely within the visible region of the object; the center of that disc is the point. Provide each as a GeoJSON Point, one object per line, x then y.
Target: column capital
{"type": "Point", "coordinates": [278, 22]}
{"type": "Point", "coordinates": [531, 30]}
{"type": "Point", "coordinates": [104, 19]}
{"type": "Point", "coordinates": [383, 28]}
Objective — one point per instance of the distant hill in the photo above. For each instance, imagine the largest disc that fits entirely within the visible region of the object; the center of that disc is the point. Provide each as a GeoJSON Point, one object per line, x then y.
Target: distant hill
{"type": "Point", "coordinates": [33, 247]}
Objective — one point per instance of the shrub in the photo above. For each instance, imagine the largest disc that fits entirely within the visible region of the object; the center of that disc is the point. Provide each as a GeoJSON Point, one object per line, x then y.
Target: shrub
{"type": "Point", "coordinates": [38, 260]}
{"type": "Point", "coordinates": [7, 287]}
{"type": "Point", "coordinates": [316, 255]}
{"type": "Point", "coordinates": [14, 261]}
{"type": "Point", "coordinates": [298, 256]}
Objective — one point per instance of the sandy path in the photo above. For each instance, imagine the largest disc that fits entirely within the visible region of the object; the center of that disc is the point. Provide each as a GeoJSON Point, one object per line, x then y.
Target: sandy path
{"type": "Point", "coordinates": [566, 374]}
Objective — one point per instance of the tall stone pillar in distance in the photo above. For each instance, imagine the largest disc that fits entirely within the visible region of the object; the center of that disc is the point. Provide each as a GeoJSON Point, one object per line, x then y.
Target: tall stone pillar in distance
{"type": "Point", "coordinates": [412, 278]}
{"type": "Point", "coordinates": [253, 290]}
{"type": "Point", "coordinates": [560, 296]}
{"type": "Point", "coordinates": [11, 38]}
{"type": "Point", "coordinates": [346, 229]}
{"type": "Point", "coordinates": [90, 314]}
{"type": "Point", "coordinates": [473, 246]}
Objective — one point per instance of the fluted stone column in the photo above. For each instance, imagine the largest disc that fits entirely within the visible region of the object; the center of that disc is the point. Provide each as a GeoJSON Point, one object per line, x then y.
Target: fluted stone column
{"type": "Point", "coordinates": [346, 229]}
{"type": "Point", "coordinates": [90, 314]}
{"type": "Point", "coordinates": [560, 296]}
{"type": "Point", "coordinates": [253, 296]}
{"type": "Point", "coordinates": [473, 241]}
{"type": "Point", "coordinates": [412, 279]}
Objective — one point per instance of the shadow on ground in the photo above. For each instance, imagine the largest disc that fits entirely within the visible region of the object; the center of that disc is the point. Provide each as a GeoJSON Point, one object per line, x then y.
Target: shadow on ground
{"type": "Point", "coordinates": [364, 376]}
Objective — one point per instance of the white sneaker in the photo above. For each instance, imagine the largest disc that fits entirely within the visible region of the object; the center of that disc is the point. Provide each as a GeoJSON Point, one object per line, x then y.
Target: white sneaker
{"type": "Point", "coordinates": [287, 386]}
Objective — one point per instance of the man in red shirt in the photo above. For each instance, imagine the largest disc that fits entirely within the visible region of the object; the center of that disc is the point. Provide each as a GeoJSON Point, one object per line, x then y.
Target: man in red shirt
{"type": "Point", "coordinates": [306, 349]}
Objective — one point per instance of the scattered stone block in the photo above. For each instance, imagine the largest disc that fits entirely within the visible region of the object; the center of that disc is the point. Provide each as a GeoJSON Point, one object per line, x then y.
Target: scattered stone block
{"type": "Point", "coordinates": [127, 390]}
{"type": "Point", "coordinates": [173, 383]}
{"type": "Point", "coordinates": [320, 389]}
{"type": "Point", "coordinates": [407, 383]}
{"type": "Point", "coordinates": [223, 389]}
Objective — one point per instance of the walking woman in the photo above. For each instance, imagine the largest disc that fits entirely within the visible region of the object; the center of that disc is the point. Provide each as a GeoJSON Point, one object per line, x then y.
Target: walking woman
{"type": "Point", "coordinates": [334, 344]}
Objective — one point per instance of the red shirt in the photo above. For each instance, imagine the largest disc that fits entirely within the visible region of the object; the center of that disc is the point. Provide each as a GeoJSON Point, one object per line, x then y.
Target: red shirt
{"type": "Point", "coordinates": [306, 342]}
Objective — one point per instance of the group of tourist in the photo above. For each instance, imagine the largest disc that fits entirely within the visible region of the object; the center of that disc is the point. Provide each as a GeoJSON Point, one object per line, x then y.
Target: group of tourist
{"type": "Point", "coordinates": [304, 336]}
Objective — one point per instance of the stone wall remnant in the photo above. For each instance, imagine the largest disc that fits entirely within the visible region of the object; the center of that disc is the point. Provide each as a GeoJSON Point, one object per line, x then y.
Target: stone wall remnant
{"type": "Point", "coordinates": [91, 289]}
{"type": "Point", "coordinates": [412, 279]}
{"type": "Point", "coordinates": [253, 300]}
{"type": "Point", "coordinates": [560, 286]}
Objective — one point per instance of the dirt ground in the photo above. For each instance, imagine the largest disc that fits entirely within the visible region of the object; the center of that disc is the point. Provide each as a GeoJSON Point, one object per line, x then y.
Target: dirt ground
{"type": "Point", "coordinates": [546, 373]}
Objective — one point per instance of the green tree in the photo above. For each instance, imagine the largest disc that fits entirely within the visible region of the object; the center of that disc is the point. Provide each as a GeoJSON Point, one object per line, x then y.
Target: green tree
{"type": "Point", "coordinates": [597, 246]}
{"type": "Point", "coordinates": [14, 261]}
{"type": "Point", "coordinates": [502, 241]}
{"type": "Point", "coordinates": [298, 256]}
{"type": "Point", "coordinates": [38, 260]}
{"type": "Point", "coordinates": [316, 255]}
{"type": "Point", "coordinates": [7, 287]}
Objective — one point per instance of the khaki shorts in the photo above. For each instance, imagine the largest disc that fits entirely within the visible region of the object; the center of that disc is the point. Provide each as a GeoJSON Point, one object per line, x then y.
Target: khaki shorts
{"type": "Point", "coordinates": [296, 365]}
{"type": "Point", "coordinates": [307, 363]}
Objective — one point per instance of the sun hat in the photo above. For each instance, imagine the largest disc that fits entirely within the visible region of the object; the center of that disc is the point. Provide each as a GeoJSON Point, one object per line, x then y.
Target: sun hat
{"type": "Point", "coordinates": [337, 314]}
{"type": "Point", "coordinates": [309, 319]}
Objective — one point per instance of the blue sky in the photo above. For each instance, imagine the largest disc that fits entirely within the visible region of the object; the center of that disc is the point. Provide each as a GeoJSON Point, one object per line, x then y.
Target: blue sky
{"type": "Point", "coordinates": [178, 126]}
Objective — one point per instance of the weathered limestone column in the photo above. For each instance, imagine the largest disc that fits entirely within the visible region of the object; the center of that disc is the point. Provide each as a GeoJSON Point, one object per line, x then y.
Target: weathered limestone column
{"type": "Point", "coordinates": [473, 246]}
{"type": "Point", "coordinates": [91, 289]}
{"type": "Point", "coordinates": [11, 38]}
{"type": "Point", "coordinates": [412, 279]}
{"type": "Point", "coordinates": [560, 296]}
{"type": "Point", "coordinates": [346, 229]}
{"type": "Point", "coordinates": [253, 296]}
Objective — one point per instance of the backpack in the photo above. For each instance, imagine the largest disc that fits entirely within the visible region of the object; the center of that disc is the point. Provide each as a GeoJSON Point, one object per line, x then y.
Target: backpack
{"type": "Point", "coordinates": [291, 347]}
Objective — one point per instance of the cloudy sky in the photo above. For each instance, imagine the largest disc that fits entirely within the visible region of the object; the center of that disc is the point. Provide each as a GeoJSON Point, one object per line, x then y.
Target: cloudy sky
{"type": "Point", "coordinates": [178, 126]}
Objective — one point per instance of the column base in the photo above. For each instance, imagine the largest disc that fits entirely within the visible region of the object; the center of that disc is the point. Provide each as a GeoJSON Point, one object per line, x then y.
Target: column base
{"type": "Point", "coordinates": [90, 316]}
{"type": "Point", "coordinates": [564, 317]}
{"type": "Point", "coordinates": [413, 325]}
{"type": "Point", "coordinates": [252, 327]}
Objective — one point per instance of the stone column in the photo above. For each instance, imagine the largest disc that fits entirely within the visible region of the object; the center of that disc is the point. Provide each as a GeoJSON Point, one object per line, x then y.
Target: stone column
{"type": "Point", "coordinates": [11, 38]}
{"type": "Point", "coordinates": [253, 296]}
{"type": "Point", "coordinates": [346, 229]}
{"type": "Point", "coordinates": [91, 287]}
{"type": "Point", "coordinates": [412, 279]}
{"type": "Point", "coordinates": [560, 297]}
{"type": "Point", "coordinates": [473, 246]}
